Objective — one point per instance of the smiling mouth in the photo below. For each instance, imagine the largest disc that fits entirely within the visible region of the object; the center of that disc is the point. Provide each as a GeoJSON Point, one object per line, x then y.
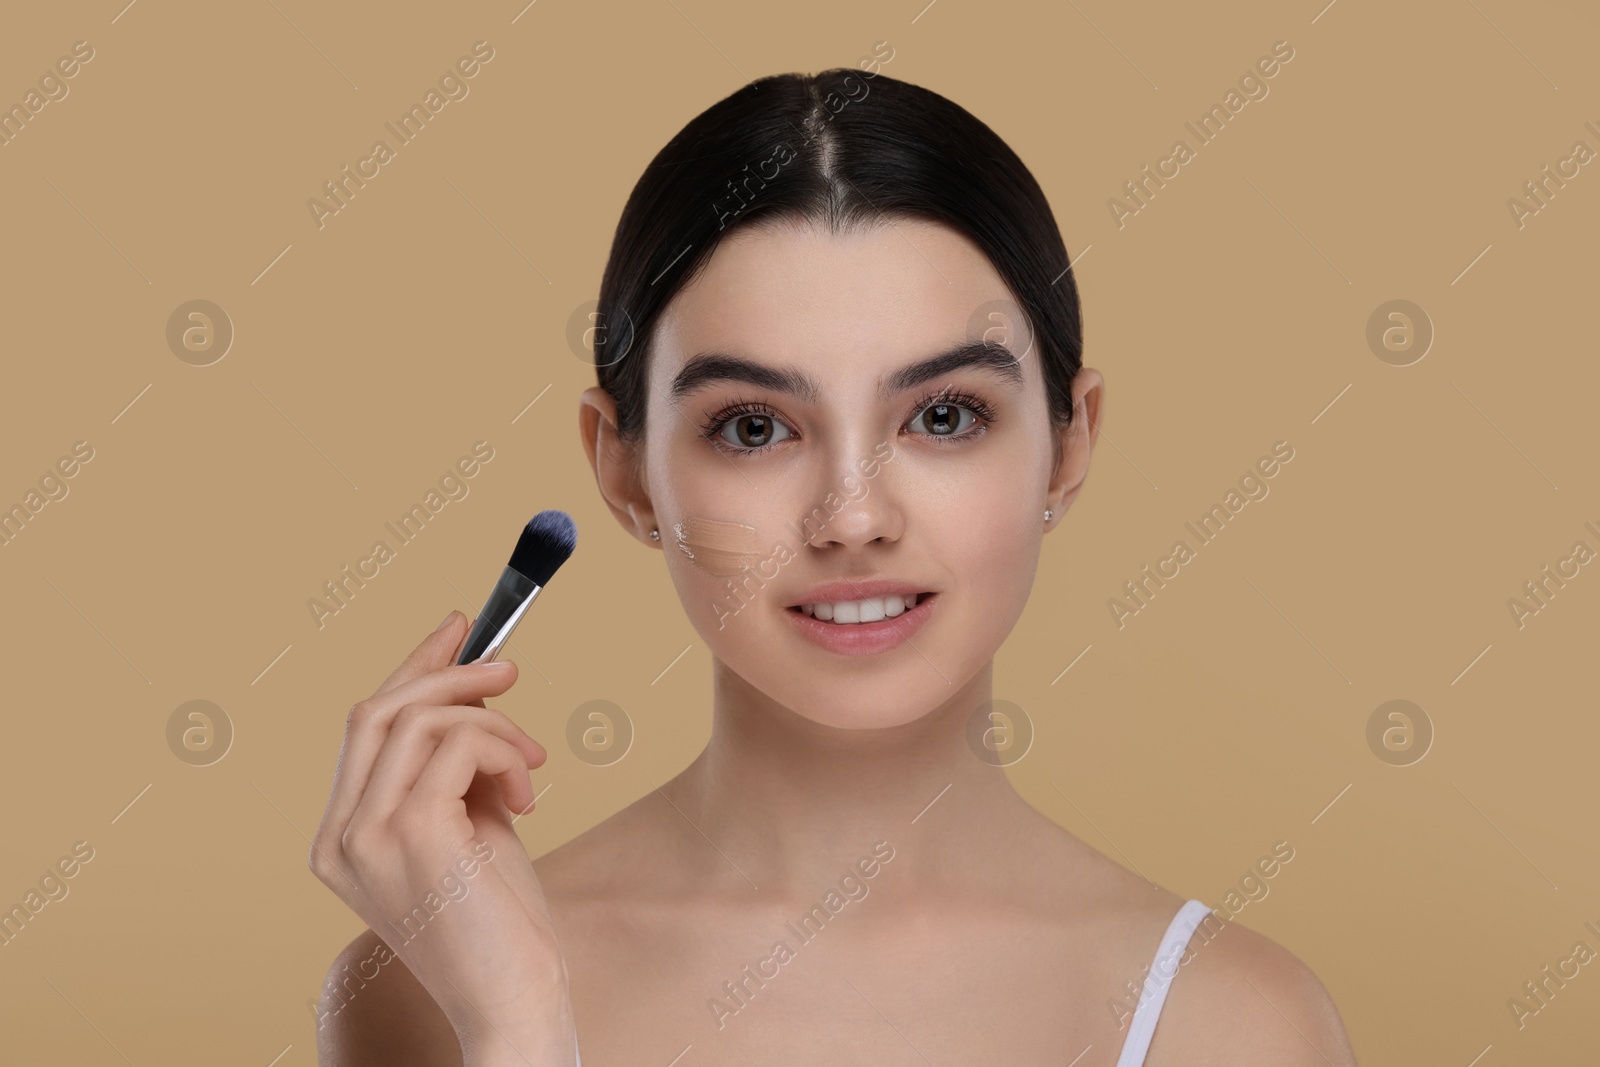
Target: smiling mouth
{"type": "Point", "coordinates": [857, 612]}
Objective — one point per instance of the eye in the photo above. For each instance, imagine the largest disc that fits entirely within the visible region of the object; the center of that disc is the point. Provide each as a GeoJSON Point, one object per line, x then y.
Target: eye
{"type": "Point", "coordinates": [751, 430]}
{"type": "Point", "coordinates": [951, 415]}
{"type": "Point", "coordinates": [943, 420]}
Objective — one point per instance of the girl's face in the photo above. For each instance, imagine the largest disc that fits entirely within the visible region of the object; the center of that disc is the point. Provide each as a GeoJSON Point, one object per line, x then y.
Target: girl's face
{"type": "Point", "coordinates": [797, 437]}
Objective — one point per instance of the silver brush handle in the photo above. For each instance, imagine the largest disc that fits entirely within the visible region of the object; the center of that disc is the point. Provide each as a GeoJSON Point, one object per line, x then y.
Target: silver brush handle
{"type": "Point", "coordinates": [501, 612]}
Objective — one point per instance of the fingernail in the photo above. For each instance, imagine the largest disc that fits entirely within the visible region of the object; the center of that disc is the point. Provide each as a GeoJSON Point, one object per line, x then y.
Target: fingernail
{"type": "Point", "coordinates": [446, 621]}
{"type": "Point", "coordinates": [498, 664]}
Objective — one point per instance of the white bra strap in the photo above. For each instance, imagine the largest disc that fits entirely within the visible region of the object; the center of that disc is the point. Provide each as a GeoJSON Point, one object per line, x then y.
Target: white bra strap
{"type": "Point", "coordinates": [1162, 970]}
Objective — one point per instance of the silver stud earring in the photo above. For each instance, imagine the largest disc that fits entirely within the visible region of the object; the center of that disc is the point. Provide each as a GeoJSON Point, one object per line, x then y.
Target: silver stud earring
{"type": "Point", "coordinates": [655, 535]}
{"type": "Point", "coordinates": [1048, 514]}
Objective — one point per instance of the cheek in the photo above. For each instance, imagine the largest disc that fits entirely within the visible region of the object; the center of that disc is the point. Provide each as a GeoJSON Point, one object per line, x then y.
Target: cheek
{"type": "Point", "coordinates": [991, 552]}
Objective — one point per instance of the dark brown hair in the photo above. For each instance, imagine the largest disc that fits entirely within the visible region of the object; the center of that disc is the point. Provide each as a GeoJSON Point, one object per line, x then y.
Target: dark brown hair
{"type": "Point", "coordinates": [843, 148]}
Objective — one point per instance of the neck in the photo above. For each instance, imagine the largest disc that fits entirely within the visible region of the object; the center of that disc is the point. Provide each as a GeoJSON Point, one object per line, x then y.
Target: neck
{"type": "Point", "coordinates": [791, 804]}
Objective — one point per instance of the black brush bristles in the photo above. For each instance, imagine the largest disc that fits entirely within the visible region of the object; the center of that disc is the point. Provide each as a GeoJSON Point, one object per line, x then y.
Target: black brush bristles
{"type": "Point", "coordinates": [545, 544]}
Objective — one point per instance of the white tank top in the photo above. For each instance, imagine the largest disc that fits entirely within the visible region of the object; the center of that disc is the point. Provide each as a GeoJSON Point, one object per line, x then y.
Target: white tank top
{"type": "Point", "coordinates": [1154, 992]}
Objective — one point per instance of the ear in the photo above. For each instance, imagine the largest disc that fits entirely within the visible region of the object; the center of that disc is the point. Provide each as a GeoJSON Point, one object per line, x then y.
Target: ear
{"type": "Point", "coordinates": [615, 465]}
{"type": "Point", "coordinates": [1075, 443]}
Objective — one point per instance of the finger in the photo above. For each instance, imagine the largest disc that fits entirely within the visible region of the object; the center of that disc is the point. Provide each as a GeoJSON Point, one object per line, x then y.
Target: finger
{"type": "Point", "coordinates": [465, 752]}
{"type": "Point", "coordinates": [436, 650]}
{"type": "Point", "coordinates": [417, 732]}
{"type": "Point", "coordinates": [369, 722]}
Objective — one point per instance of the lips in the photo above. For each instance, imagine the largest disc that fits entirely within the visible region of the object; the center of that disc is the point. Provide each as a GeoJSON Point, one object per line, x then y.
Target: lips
{"type": "Point", "coordinates": [859, 589]}
{"type": "Point", "coordinates": [864, 638]}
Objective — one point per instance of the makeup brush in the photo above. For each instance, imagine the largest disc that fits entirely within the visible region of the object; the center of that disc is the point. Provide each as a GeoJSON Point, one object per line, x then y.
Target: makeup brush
{"type": "Point", "coordinates": [546, 543]}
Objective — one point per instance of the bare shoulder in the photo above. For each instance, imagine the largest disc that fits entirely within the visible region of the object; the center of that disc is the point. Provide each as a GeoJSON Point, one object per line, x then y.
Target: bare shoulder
{"type": "Point", "coordinates": [605, 859]}
{"type": "Point", "coordinates": [1240, 999]}
{"type": "Point", "coordinates": [374, 1011]}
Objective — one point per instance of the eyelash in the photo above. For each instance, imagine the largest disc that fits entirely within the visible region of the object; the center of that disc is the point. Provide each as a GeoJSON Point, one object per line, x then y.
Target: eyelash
{"type": "Point", "coordinates": [711, 429]}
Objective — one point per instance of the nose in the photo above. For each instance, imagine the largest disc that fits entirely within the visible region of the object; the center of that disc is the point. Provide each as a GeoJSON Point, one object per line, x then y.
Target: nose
{"type": "Point", "coordinates": [849, 508]}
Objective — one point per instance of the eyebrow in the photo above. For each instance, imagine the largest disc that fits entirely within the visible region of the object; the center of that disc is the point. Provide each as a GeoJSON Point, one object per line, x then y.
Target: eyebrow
{"type": "Point", "coordinates": [708, 368]}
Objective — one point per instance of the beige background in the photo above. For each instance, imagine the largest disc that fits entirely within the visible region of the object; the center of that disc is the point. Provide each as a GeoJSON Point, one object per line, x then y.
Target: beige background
{"type": "Point", "coordinates": [1230, 313]}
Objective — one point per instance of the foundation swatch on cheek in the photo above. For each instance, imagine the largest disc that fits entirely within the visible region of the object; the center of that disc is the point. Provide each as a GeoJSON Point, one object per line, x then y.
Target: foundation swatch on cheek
{"type": "Point", "coordinates": [720, 548]}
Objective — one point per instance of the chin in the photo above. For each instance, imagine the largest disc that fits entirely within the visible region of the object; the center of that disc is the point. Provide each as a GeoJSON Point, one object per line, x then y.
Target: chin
{"type": "Point", "coordinates": [849, 708]}
{"type": "Point", "coordinates": [861, 695]}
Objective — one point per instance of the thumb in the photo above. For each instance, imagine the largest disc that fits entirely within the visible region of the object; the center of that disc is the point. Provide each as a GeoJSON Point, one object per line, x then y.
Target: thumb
{"type": "Point", "coordinates": [437, 650]}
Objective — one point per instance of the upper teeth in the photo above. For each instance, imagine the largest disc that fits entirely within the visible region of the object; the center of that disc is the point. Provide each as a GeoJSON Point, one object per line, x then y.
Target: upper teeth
{"type": "Point", "coordinates": [869, 610]}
